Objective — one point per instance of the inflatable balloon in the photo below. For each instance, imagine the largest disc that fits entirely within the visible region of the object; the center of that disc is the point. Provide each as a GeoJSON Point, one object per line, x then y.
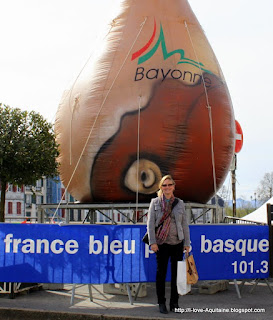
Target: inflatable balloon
{"type": "Point", "coordinates": [153, 102]}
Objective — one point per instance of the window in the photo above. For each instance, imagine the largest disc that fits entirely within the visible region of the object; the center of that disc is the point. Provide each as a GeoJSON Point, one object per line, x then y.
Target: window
{"type": "Point", "coordinates": [71, 215]}
{"type": "Point", "coordinates": [19, 208]}
{"type": "Point", "coordinates": [14, 188]}
{"type": "Point", "coordinates": [79, 215]}
{"type": "Point", "coordinates": [9, 207]}
{"type": "Point", "coordinates": [28, 200]}
{"type": "Point", "coordinates": [38, 199]}
{"type": "Point", "coordinates": [39, 183]}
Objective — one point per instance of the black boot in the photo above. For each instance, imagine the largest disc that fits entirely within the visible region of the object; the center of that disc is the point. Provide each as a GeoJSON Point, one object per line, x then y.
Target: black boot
{"type": "Point", "coordinates": [174, 307]}
{"type": "Point", "coordinates": [162, 308]}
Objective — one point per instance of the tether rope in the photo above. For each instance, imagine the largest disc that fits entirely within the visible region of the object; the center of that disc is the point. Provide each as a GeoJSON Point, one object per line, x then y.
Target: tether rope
{"type": "Point", "coordinates": [96, 118]}
{"type": "Point", "coordinates": [210, 115]}
{"type": "Point", "coordinates": [138, 148]}
{"type": "Point", "coordinates": [77, 98]}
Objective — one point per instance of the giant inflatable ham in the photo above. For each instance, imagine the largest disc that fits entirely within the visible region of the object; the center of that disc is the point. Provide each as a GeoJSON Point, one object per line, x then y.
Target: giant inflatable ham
{"type": "Point", "coordinates": [152, 102]}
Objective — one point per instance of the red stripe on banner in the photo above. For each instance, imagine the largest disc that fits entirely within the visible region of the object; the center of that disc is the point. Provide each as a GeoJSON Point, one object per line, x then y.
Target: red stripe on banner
{"type": "Point", "coordinates": [139, 53]}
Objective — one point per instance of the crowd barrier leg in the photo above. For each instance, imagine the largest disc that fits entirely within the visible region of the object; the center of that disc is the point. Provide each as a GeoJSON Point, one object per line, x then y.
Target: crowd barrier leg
{"type": "Point", "coordinates": [256, 283]}
{"type": "Point", "coordinates": [91, 297]}
{"type": "Point", "coordinates": [74, 291]}
{"type": "Point", "coordinates": [73, 294]}
{"type": "Point", "coordinates": [237, 289]}
{"type": "Point", "coordinates": [137, 292]}
{"type": "Point", "coordinates": [129, 293]}
{"type": "Point", "coordinates": [90, 292]}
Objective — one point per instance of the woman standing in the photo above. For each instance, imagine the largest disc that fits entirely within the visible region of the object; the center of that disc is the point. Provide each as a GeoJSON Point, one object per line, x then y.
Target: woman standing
{"type": "Point", "coordinates": [170, 239]}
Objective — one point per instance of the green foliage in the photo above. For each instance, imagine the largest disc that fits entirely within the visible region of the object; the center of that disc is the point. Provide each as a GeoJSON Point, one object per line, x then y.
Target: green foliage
{"type": "Point", "coordinates": [240, 212]}
{"type": "Point", "coordinates": [28, 148]}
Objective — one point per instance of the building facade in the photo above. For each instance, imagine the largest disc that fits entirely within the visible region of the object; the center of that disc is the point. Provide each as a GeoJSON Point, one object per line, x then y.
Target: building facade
{"type": "Point", "coordinates": [22, 205]}
{"type": "Point", "coordinates": [15, 202]}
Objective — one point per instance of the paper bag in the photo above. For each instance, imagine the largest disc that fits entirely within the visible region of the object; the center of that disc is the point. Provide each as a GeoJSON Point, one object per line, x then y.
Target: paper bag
{"type": "Point", "coordinates": [192, 274]}
{"type": "Point", "coordinates": [182, 286]}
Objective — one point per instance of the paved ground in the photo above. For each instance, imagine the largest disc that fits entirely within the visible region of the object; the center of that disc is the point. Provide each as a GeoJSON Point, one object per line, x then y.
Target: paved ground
{"type": "Point", "coordinates": [51, 304]}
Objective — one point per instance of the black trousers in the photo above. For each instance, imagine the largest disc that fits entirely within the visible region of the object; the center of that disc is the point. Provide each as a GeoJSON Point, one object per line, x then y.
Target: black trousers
{"type": "Point", "coordinates": [166, 252]}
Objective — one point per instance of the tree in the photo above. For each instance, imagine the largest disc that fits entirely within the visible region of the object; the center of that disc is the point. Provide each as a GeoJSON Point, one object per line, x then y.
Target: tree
{"type": "Point", "coordinates": [28, 149]}
{"type": "Point", "coordinates": [223, 193]}
{"type": "Point", "coordinates": [265, 190]}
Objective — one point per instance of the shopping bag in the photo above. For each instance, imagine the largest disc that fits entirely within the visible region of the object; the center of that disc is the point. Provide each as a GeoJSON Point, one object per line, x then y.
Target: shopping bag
{"type": "Point", "coordinates": [145, 238]}
{"type": "Point", "coordinates": [182, 286]}
{"type": "Point", "coordinates": [192, 274]}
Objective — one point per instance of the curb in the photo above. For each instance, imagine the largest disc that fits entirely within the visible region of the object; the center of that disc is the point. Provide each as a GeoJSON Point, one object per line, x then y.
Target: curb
{"type": "Point", "coordinates": [30, 314]}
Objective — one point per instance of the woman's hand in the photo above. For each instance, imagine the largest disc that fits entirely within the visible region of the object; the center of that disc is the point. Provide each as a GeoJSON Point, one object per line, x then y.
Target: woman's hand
{"type": "Point", "coordinates": [154, 247]}
{"type": "Point", "coordinates": [187, 249]}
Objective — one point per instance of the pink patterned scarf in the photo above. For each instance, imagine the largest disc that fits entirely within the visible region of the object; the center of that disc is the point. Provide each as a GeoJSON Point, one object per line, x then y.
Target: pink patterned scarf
{"type": "Point", "coordinates": [163, 230]}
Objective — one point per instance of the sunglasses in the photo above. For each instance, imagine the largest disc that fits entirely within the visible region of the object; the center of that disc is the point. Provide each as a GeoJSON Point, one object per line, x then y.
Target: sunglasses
{"type": "Point", "coordinates": [167, 185]}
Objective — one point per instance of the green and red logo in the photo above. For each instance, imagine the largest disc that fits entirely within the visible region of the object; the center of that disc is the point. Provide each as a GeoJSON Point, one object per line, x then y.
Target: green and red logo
{"type": "Point", "coordinates": [143, 55]}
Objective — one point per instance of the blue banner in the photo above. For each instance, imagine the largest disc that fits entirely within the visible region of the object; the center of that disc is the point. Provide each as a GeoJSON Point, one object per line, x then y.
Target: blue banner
{"type": "Point", "coordinates": [115, 253]}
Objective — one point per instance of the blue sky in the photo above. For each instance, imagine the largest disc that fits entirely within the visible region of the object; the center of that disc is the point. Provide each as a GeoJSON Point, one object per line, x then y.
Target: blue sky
{"type": "Point", "coordinates": [44, 45]}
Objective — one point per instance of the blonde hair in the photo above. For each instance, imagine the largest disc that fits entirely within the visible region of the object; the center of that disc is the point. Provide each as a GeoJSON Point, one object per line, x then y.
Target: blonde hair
{"type": "Point", "coordinates": [168, 176]}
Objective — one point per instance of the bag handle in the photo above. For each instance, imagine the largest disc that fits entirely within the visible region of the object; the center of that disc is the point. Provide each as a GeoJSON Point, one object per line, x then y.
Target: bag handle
{"type": "Point", "coordinates": [185, 255]}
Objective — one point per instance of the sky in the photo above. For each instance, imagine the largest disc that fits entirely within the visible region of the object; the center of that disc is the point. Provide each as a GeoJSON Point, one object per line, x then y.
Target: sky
{"type": "Point", "coordinates": [45, 44]}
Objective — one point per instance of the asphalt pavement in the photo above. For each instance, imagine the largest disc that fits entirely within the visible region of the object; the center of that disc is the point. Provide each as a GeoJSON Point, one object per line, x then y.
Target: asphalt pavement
{"type": "Point", "coordinates": [56, 304]}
